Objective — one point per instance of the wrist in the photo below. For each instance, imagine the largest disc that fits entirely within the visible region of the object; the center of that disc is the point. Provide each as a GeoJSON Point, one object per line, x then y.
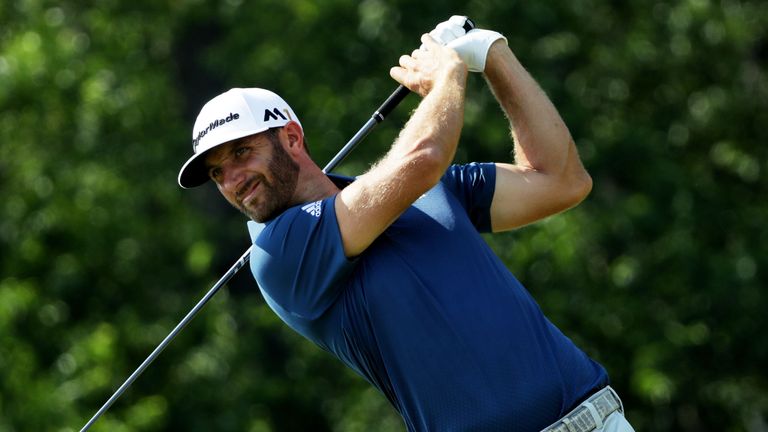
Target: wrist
{"type": "Point", "coordinates": [497, 48]}
{"type": "Point", "coordinates": [455, 75]}
{"type": "Point", "coordinates": [499, 55]}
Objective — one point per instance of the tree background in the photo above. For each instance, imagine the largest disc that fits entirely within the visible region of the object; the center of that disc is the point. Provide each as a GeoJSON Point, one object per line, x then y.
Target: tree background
{"type": "Point", "coordinates": [660, 274]}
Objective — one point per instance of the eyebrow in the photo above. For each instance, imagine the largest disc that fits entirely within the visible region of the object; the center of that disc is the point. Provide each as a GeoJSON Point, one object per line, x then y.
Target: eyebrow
{"type": "Point", "coordinates": [237, 141]}
{"type": "Point", "coordinates": [222, 153]}
{"type": "Point", "coordinates": [232, 146]}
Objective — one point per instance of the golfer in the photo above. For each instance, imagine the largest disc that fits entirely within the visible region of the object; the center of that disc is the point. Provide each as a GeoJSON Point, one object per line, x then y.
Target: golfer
{"type": "Point", "coordinates": [388, 271]}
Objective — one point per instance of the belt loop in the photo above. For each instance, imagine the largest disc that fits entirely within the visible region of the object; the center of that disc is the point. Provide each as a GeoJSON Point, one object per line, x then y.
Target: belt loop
{"type": "Point", "coordinates": [595, 415]}
{"type": "Point", "coordinates": [618, 399]}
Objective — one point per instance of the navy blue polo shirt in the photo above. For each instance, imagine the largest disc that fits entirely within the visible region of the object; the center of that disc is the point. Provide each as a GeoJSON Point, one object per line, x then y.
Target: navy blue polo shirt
{"type": "Point", "coordinates": [428, 314]}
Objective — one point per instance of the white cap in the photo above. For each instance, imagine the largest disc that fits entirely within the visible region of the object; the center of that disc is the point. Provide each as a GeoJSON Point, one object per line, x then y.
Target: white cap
{"type": "Point", "coordinates": [237, 113]}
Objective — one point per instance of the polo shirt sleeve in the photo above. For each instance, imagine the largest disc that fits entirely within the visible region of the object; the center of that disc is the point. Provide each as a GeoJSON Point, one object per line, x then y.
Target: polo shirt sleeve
{"type": "Point", "coordinates": [473, 185]}
{"type": "Point", "coordinates": [298, 261]}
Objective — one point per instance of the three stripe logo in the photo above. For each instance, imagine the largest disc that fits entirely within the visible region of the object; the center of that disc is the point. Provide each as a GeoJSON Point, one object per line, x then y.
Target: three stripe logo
{"type": "Point", "coordinates": [315, 208]}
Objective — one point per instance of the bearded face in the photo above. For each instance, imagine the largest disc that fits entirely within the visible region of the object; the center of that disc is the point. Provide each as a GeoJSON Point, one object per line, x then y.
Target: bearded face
{"type": "Point", "coordinates": [255, 174]}
{"type": "Point", "coordinates": [277, 185]}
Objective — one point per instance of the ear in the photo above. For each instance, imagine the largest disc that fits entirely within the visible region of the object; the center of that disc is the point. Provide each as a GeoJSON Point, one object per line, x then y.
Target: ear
{"type": "Point", "coordinates": [294, 137]}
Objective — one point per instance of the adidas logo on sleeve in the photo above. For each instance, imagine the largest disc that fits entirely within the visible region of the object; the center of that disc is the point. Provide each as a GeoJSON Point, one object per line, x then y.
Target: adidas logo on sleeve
{"type": "Point", "coordinates": [315, 208]}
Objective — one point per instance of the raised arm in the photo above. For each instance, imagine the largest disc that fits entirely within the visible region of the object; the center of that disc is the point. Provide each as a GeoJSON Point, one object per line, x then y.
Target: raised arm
{"type": "Point", "coordinates": [419, 156]}
{"type": "Point", "coordinates": [547, 175]}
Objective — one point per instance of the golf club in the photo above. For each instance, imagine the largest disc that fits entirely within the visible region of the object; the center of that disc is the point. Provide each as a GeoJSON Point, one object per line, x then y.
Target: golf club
{"type": "Point", "coordinates": [377, 117]}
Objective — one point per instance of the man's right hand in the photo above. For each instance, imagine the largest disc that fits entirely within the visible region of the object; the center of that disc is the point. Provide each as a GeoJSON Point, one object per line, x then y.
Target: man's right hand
{"type": "Point", "coordinates": [428, 66]}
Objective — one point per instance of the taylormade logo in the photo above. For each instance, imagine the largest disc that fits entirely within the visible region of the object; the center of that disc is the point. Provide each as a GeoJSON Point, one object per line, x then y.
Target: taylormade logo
{"type": "Point", "coordinates": [213, 125]}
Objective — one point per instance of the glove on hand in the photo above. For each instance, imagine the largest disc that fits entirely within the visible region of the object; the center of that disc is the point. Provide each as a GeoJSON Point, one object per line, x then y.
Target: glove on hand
{"type": "Point", "coordinates": [449, 30]}
{"type": "Point", "coordinates": [474, 46]}
{"type": "Point", "coordinates": [471, 46]}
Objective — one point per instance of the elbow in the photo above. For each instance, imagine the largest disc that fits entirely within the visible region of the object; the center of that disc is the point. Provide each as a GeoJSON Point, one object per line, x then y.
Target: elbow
{"type": "Point", "coordinates": [576, 180]}
{"type": "Point", "coordinates": [577, 187]}
{"type": "Point", "coordinates": [584, 185]}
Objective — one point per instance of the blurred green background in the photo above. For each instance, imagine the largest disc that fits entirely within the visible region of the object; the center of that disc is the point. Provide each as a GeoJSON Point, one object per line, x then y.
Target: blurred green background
{"type": "Point", "coordinates": [660, 274]}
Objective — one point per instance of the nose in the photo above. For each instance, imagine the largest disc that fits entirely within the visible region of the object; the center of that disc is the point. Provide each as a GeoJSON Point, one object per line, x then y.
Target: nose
{"type": "Point", "coordinates": [232, 176]}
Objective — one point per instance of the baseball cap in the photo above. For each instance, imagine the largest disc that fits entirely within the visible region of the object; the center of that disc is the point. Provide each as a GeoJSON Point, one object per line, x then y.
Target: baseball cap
{"type": "Point", "coordinates": [237, 113]}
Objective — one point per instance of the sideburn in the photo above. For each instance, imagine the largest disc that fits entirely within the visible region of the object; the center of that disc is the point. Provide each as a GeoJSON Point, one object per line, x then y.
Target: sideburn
{"type": "Point", "coordinates": [285, 172]}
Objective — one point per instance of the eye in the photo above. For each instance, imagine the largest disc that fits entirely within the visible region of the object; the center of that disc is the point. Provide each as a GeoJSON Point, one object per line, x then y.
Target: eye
{"type": "Point", "coordinates": [241, 151]}
{"type": "Point", "coordinates": [214, 173]}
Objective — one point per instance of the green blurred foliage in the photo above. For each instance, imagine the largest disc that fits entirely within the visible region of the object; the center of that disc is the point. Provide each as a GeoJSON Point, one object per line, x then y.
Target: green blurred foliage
{"type": "Point", "coordinates": [660, 274]}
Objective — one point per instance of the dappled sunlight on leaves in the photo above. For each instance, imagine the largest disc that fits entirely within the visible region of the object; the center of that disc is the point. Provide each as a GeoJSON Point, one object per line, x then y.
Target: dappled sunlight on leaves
{"type": "Point", "coordinates": [659, 274]}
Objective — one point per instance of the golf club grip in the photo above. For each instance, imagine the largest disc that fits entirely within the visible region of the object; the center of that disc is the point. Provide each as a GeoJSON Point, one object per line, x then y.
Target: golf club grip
{"type": "Point", "coordinates": [392, 101]}
{"type": "Point", "coordinates": [398, 95]}
{"type": "Point", "coordinates": [468, 25]}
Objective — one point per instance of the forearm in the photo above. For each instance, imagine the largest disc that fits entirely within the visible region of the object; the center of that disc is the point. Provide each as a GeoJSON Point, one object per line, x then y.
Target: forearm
{"type": "Point", "coordinates": [547, 176]}
{"type": "Point", "coordinates": [421, 153]}
{"type": "Point", "coordinates": [435, 126]}
{"type": "Point", "coordinates": [416, 161]}
{"type": "Point", "coordinates": [542, 141]}
{"type": "Point", "coordinates": [431, 135]}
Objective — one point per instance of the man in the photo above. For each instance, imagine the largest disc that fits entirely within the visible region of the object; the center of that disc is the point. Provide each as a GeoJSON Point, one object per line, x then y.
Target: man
{"type": "Point", "coordinates": [388, 273]}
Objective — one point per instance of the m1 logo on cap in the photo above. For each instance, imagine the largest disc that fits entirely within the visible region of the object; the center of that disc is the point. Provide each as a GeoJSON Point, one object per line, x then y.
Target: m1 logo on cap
{"type": "Point", "coordinates": [213, 125]}
{"type": "Point", "coordinates": [274, 114]}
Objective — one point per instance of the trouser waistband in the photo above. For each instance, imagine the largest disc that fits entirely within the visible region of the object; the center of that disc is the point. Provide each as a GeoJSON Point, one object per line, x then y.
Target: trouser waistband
{"type": "Point", "coordinates": [590, 414]}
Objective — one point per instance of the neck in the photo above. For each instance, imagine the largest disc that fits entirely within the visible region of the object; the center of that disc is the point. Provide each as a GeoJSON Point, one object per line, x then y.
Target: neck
{"type": "Point", "coordinates": [313, 185]}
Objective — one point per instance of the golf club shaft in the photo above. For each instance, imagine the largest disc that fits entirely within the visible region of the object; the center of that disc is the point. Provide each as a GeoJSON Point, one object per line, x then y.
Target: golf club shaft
{"type": "Point", "coordinates": [224, 279]}
{"type": "Point", "coordinates": [378, 116]}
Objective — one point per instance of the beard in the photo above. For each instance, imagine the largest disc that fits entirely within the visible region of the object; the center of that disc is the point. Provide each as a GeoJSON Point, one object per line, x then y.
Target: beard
{"type": "Point", "coordinates": [276, 195]}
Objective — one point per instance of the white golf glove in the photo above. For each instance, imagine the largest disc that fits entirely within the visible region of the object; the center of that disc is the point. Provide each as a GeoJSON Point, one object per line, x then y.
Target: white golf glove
{"type": "Point", "coordinates": [474, 46]}
{"type": "Point", "coordinates": [471, 46]}
{"type": "Point", "coordinates": [449, 30]}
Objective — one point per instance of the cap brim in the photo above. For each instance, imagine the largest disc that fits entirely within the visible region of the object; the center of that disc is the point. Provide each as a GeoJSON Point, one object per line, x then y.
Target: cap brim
{"type": "Point", "coordinates": [193, 172]}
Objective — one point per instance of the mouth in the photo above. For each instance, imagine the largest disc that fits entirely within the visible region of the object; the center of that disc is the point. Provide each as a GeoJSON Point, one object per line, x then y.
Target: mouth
{"type": "Point", "coordinates": [248, 191]}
